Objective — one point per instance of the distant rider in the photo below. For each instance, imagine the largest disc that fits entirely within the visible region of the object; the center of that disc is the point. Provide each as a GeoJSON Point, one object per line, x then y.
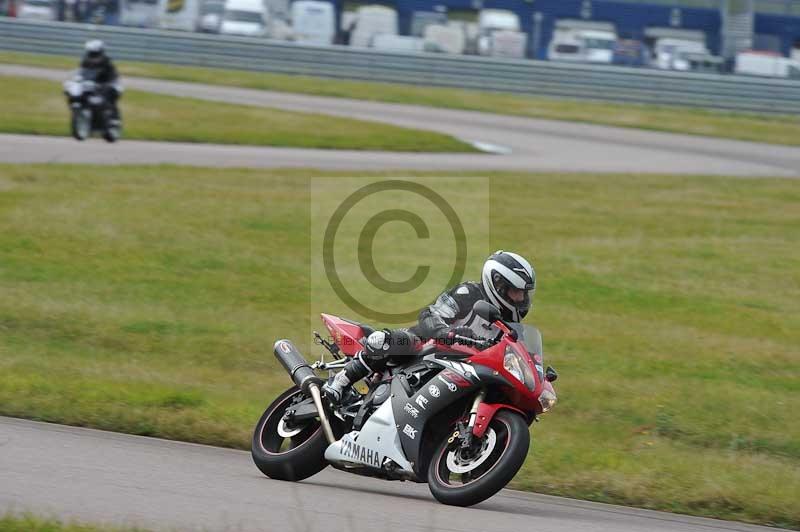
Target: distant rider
{"type": "Point", "coordinates": [508, 282]}
{"type": "Point", "coordinates": [98, 67]}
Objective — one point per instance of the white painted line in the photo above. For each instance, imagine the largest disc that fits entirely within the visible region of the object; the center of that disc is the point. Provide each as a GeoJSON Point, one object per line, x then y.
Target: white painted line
{"type": "Point", "coordinates": [490, 148]}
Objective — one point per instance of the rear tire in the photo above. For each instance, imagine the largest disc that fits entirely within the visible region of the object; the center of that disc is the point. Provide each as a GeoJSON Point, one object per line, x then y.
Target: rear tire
{"type": "Point", "coordinates": [504, 448]}
{"type": "Point", "coordinates": [295, 458]}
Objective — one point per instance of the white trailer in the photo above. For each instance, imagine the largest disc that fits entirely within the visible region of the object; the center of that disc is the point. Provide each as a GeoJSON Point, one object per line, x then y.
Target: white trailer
{"type": "Point", "coordinates": [767, 64]}
{"type": "Point", "coordinates": [371, 21]}
{"type": "Point", "coordinates": [449, 39]}
{"type": "Point", "coordinates": [583, 41]}
{"type": "Point", "coordinates": [183, 15]}
{"type": "Point", "coordinates": [491, 21]}
{"type": "Point", "coordinates": [313, 22]}
{"type": "Point", "coordinates": [140, 13]}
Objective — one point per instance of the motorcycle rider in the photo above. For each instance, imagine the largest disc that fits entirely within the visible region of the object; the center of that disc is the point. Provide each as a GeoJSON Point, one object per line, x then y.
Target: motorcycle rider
{"type": "Point", "coordinates": [508, 281]}
{"type": "Point", "coordinates": [104, 73]}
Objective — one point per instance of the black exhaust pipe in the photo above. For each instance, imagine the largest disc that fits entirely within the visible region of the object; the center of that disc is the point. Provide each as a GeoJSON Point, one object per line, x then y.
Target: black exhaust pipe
{"type": "Point", "coordinates": [302, 375]}
{"type": "Point", "coordinates": [295, 365]}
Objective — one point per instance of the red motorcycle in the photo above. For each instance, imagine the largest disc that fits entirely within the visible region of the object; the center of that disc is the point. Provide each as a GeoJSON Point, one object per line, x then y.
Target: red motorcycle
{"type": "Point", "coordinates": [457, 416]}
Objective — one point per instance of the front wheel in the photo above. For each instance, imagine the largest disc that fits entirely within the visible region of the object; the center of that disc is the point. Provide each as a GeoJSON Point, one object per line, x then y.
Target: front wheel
{"type": "Point", "coordinates": [112, 127]}
{"type": "Point", "coordinates": [112, 133]}
{"type": "Point", "coordinates": [81, 124]}
{"type": "Point", "coordinates": [288, 453]}
{"type": "Point", "coordinates": [463, 477]}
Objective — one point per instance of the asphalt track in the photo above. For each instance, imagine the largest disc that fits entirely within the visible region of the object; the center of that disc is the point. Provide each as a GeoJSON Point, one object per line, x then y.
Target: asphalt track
{"type": "Point", "coordinates": [535, 145]}
{"type": "Point", "coordinates": [103, 477]}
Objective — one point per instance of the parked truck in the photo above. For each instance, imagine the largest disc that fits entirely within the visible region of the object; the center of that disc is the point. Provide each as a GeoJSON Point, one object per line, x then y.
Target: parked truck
{"type": "Point", "coordinates": [677, 54]}
{"type": "Point", "coordinates": [449, 39]}
{"type": "Point", "coordinates": [140, 13]}
{"type": "Point", "coordinates": [371, 21]}
{"type": "Point", "coordinates": [211, 12]}
{"type": "Point", "coordinates": [582, 42]}
{"type": "Point", "coordinates": [244, 17]}
{"type": "Point", "coordinates": [313, 22]}
{"type": "Point", "coordinates": [37, 10]}
{"type": "Point", "coordinates": [499, 34]}
{"type": "Point", "coordinates": [767, 64]}
{"type": "Point", "coordinates": [181, 15]}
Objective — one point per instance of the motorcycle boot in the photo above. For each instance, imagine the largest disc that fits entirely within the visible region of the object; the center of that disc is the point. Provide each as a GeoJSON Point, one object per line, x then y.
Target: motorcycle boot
{"type": "Point", "coordinates": [339, 388]}
{"type": "Point", "coordinates": [378, 349]}
{"type": "Point", "coordinates": [371, 358]}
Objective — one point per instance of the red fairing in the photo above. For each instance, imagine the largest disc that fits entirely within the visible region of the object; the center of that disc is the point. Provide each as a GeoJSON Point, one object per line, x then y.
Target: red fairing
{"type": "Point", "coordinates": [518, 394]}
{"type": "Point", "coordinates": [517, 397]}
{"type": "Point", "coordinates": [345, 334]}
{"type": "Point", "coordinates": [486, 412]}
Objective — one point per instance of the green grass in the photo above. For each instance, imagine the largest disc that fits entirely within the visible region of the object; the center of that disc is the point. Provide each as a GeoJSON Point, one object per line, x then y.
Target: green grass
{"type": "Point", "coordinates": [31, 523]}
{"type": "Point", "coordinates": [34, 106]}
{"type": "Point", "coordinates": [777, 129]}
{"type": "Point", "coordinates": [146, 300]}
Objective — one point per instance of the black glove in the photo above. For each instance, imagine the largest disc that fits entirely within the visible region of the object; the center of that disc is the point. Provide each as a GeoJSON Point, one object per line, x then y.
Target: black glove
{"type": "Point", "coordinates": [462, 331]}
{"type": "Point", "coordinates": [449, 336]}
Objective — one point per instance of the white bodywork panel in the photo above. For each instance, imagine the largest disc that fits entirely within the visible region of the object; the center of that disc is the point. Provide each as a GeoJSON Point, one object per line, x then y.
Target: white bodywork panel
{"type": "Point", "coordinates": [377, 440]}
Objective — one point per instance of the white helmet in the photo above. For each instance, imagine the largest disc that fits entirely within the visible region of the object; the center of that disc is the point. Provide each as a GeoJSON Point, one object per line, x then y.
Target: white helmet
{"type": "Point", "coordinates": [504, 270]}
{"type": "Point", "coordinates": [94, 48]}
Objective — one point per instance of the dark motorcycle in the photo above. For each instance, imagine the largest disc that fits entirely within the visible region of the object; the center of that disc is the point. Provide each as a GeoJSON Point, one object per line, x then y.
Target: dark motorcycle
{"type": "Point", "coordinates": [457, 416]}
{"type": "Point", "coordinates": [91, 109]}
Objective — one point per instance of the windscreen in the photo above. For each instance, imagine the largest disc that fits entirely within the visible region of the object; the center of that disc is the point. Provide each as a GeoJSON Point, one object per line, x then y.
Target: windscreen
{"type": "Point", "coordinates": [600, 44]}
{"type": "Point", "coordinates": [567, 49]}
{"type": "Point", "coordinates": [89, 74]}
{"type": "Point", "coordinates": [236, 15]}
{"type": "Point", "coordinates": [530, 336]}
{"type": "Point", "coordinates": [213, 8]}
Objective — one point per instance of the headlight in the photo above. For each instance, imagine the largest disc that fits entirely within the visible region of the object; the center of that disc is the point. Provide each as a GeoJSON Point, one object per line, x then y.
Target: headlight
{"type": "Point", "coordinates": [519, 368]}
{"type": "Point", "coordinates": [547, 399]}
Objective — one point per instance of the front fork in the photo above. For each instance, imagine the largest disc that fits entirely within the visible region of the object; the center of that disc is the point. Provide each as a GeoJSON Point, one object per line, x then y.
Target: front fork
{"type": "Point", "coordinates": [465, 433]}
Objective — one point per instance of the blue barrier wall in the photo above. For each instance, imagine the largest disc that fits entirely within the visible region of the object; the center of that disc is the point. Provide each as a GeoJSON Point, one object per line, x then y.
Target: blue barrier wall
{"type": "Point", "coordinates": [786, 28]}
{"type": "Point", "coordinates": [630, 19]}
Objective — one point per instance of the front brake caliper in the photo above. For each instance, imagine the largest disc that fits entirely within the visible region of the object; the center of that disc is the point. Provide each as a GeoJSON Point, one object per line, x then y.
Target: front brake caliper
{"type": "Point", "coordinates": [465, 435]}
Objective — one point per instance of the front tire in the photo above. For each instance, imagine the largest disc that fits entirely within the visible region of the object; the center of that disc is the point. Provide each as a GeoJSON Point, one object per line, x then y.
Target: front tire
{"type": "Point", "coordinates": [81, 124]}
{"type": "Point", "coordinates": [288, 458]}
{"type": "Point", "coordinates": [111, 134]}
{"type": "Point", "coordinates": [461, 479]}
{"type": "Point", "coordinates": [112, 126]}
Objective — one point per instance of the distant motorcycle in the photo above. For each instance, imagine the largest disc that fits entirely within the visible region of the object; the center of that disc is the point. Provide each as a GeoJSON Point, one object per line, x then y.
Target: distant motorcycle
{"type": "Point", "coordinates": [456, 416]}
{"type": "Point", "coordinates": [91, 110]}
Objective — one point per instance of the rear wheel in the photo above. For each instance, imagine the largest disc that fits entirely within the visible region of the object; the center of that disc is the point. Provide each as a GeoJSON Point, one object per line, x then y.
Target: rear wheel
{"type": "Point", "coordinates": [463, 477]}
{"type": "Point", "coordinates": [81, 124]}
{"type": "Point", "coordinates": [286, 452]}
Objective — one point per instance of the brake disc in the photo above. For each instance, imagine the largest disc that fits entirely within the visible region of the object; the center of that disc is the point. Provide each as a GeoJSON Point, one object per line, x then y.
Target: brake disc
{"type": "Point", "coordinates": [458, 464]}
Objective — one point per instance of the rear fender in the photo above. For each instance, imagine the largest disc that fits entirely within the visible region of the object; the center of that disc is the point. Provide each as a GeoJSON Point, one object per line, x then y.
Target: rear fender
{"type": "Point", "coordinates": [344, 333]}
{"type": "Point", "coordinates": [486, 412]}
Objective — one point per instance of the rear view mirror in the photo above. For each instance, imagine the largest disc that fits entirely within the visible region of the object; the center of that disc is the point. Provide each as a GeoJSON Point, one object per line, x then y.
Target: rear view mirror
{"type": "Point", "coordinates": [487, 311]}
